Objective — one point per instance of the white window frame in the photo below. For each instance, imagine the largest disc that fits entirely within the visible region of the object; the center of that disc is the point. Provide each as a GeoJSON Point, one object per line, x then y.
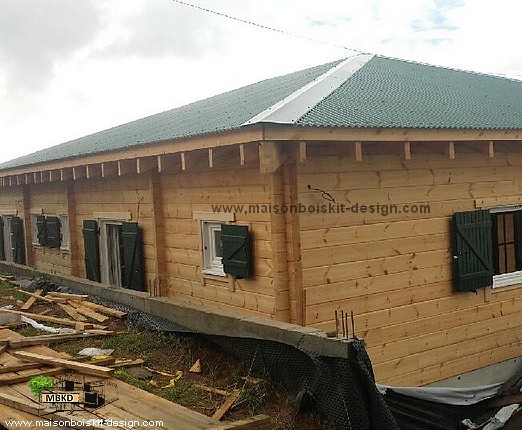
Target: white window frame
{"type": "Point", "coordinates": [8, 236]}
{"type": "Point", "coordinates": [65, 243]}
{"type": "Point", "coordinates": [511, 278]}
{"type": "Point", "coordinates": [34, 228]}
{"type": "Point", "coordinates": [212, 264]}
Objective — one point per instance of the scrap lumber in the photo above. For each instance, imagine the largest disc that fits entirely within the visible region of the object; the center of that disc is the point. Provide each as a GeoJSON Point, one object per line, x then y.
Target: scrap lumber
{"type": "Point", "coordinates": [259, 422]}
{"type": "Point", "coordinates": [127, 363]}
{"type": "Point", "coordinates": [89, 312]}
{"type": "Point", "coordinates": [103, 309]}
{"type": "Point", "coordinates": [30, 301]}
{"type": "Point", "coordinates": [18, 367]}
{"type": "Point", "coordinates": [55, 320]}
{"type": "Point", "coordinates": [227, 404]}
{"type": "Point", "coordinates": [45, 299]}
{"type": "Point", "coordinates": [89, 369]}
{"type": "Point", "coordinates": [11, 380]}
{"type": "Point", "coordinates": [44, 339]}
{"type": "Point", "coordinates": [69, 296]}
{"type": "Point", "coordinates": [69, 310]}
{"type": "Point", "coordinates": [211, 390]}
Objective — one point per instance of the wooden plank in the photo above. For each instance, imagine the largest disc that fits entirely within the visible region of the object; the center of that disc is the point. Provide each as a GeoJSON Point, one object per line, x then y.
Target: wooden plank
{"type": "Point", "coordinates": [70, 296]}
{"type": "Point", "coordinates": [45, 339]}
{"type": "Point", "coordinates": [242, 154]}
{"type": "Point", "coordinates": [69, 310]}
{"type": "Point", "coordinates": [88, 312]}
{"type": "Point", "coordinates": [18, 367]}
{"type": "Point", "coordinates": [30, 301]}
{"type": "Point", "coordinates": [12, 380]}
{"type": "Point", "coordinates": [407, 150]}
{"type": "Point", "coordinates": [211, 390]}
{"type": "Point", "coordinates": [227, 404]}
{"type": "Point", "coordinates": [44, 299]}
{"type": "Point", "coordinates": [86, 368]}
{"type": "Point", "coordinates": [211, 157]}
{"type": "Point", "coordinates": [38, 317]}
{"type": "Point", "coordinates": [183, 161]}
{"type": "Point", "coordinates": [358, 151]}
{"type": "Point", "coordinates": [259, 422]}
{"type": "Point", "coordinates": [104, 309]}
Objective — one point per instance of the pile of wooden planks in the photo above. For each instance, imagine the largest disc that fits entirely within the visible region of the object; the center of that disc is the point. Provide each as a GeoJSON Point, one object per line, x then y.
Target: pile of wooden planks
{"type": "Point", "coordinates": [82, 314]}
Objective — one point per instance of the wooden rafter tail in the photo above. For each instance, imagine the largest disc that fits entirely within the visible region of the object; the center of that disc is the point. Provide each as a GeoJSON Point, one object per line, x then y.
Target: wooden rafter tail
{"type": "Point", "coordinates": [407, 150]}
{"type": "Point", "coordinates": [358, 151]}
{"type": "Point", "coordinates": [242, 154]}
{"type": "Point", "coordinates": [211, 157]}
{"type": "Point", "coordinates": [451, 150]}
{"type": "Point", "coordinates": [183, 161]}
{"type": "Point", "coordinates": [302, 151]}
{"type": "Point", "coordinates": [491, 149]}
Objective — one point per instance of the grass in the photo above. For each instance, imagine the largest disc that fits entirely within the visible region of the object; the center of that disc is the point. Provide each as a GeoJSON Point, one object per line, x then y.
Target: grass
{"type": "Point", "coordinates": [183, 393]}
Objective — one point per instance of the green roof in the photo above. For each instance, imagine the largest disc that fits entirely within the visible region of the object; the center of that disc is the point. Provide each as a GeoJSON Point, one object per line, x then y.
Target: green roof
{"type": "Point", "coordinates": [362, 91]}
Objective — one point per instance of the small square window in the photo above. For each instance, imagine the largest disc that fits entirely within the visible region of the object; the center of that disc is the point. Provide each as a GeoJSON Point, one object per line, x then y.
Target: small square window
{"type": "Point", "coordinates": [212, 248]}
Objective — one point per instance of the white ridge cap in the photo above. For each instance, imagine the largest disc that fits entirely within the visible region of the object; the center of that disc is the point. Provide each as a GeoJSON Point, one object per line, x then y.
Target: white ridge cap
{"type": "Point", "coordinates": [294, 106]}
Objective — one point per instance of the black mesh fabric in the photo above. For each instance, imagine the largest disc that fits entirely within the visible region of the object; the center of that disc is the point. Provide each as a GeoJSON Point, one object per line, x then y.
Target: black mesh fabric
{"type": "Point", "coordinates": [344, 389]}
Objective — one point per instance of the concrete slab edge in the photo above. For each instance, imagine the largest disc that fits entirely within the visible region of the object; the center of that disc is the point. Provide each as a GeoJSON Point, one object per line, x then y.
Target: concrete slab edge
{"type": "Point", "coordinates": [198, 318]}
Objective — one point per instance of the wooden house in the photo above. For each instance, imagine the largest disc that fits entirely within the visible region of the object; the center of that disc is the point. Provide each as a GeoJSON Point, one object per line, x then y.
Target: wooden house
{"type": "Point", "coordinates": [384, 187]}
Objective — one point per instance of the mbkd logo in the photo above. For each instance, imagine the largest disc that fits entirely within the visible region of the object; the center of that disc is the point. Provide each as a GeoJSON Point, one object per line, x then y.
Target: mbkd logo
{"type": "Point", "coordinates": [60, 398]}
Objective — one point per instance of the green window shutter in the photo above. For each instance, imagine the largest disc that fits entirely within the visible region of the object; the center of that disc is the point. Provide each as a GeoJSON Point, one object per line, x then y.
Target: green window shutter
{"type": "Point", "coordinates": [2, 250]}
{"type": "Point", "coordinates": [237, 250]}
{"type": "Point", "coordinates": [41, 230]}
{"type": "Point", "coordinates": [17, 240]}
{"type": "Point", "coordinates": [472, 250]}
{"type": "Point", "coordinates": [92, 250]}
{"type": "Point", "coordinates": [52, 226]}
{"type": "Point", "coordinates": [133, 270]}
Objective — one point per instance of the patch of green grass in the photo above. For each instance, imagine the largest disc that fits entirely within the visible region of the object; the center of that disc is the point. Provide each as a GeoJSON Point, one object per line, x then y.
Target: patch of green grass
{"type": "Point", "coordinates": [141, 343]}
{"type": "Point", "coordinates": [20, 295]}
{"type": "Point", "coordinates": [131, 380]}
{"type": "Point", "coordinates": [5, 287]}
{"type": "Point", "coordinates": [182, 393]}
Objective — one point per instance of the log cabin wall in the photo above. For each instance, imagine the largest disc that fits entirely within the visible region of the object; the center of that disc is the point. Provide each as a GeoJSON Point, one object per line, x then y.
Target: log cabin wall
{"type": "Point", "coordinates": [394, 272]}
{"type": "Point", "coordinates": [233, 179]}
{"type": "Point", "coordinates": [115, 197]}
{"type": "Point", "coordinates": [50, 200]}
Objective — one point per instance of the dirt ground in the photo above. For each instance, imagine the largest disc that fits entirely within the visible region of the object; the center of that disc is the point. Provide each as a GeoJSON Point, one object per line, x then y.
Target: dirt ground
{"type": "Point", "coordinates": [165, 372]}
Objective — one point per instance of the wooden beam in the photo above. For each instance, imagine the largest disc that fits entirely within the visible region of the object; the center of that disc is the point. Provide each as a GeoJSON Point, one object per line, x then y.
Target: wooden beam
{"type": "Point", "coordinates": [45, 339]}
{"type": "Point", "coordinates": [55, 320]}
{"type": "Point", "coordinates": [27, 305]}
{"type": "Point", "coordinates": [168, 162]}
{"type": "Point", "coordinates": [451, 150]}
{"type": "Point", "coordinates": [407, 150]}
{"type": "Point", "coordinates": [210, 157]}
{"type": "Point", "coordinates": [227, 404]}
{"type": "Point", "coordinates": [79, 172]}
{"type": "Point", "coordinates": [29, 178]}
{"type": "Point", "coordinates": [17, 367]}
{"type": "Point", "coordinates": [147, 164]}
{"type": "Point", "coordinates": [88, 312]}
{"type": "Point", "coordinates": [271, 157]}
{"type": "Point", "coordinates": [183, 161]}
{"type": "Point", "coordinates": [158, 231]}
{"type": "Point", "coordinates": [44, 177]}
{"type": "Point", "coordinates": [74, 242]}
{"type": "Point", "coordinates": [89, 369]}
{"type": "Point", "coordinates": [242, 154]}
{"type": "Point", "coordinates": [302, 151]}
{"type": "Point", "coordinates": [104, 309]}
{"type": "Point", "coordinates": [358, 151]}
{"type": "Point", "coordinates": [27, 220]}
{"type": "Point", "coordinates": [12, 380]}
{"type": "Point", "coordinates": [69, 310]}
{"type": "Point", "coordinates": [93, 171]}
{"type": "Point", "coordinates": [66, 174]}
{"type": "Point", "coordinates": [69, 296]}
{"type": "Point", "coordinates": [54, 176]}
{"type": "Point", "coordinates": [126, 167]}
{"type": "Point", "coordinates": [109, 169]}
{"type": "Point", "coordinates": [491, 149]}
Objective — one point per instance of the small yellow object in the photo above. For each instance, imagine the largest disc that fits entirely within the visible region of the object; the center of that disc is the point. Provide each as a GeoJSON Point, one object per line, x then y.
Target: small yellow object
{"type": "Point", "coordinates": [153, 383]}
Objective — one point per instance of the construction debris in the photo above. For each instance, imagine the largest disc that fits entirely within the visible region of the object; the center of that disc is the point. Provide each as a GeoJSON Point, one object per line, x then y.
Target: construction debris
{"type": "Point", "coordinates": [220, 413]}
{"type": "Point", "coordinates": [196, 367]}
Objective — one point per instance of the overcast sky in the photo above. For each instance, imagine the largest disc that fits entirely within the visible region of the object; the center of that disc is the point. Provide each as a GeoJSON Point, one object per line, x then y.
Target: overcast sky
{"type": "Point", "coordinates": [72, 67]}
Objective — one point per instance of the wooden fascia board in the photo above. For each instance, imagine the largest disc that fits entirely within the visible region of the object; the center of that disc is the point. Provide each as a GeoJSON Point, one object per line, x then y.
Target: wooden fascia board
{"type": "Point", "coordinates": [275, 133]}
{"type": "Point", "coordinates": [245, 135]}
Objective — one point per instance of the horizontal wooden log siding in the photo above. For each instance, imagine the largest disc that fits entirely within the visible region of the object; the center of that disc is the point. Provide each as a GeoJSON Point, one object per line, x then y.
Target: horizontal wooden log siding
{"type": "Point", "coordinates": [394, 271]}
{"type": "Point", "coordinates": [195, 190]}
{"type": "Point", "coordinates": [51, 198]}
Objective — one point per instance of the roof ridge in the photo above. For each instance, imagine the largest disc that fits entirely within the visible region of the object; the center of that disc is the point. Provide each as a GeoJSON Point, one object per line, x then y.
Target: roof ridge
{"type": "Point", "coordinates": [302, 100]}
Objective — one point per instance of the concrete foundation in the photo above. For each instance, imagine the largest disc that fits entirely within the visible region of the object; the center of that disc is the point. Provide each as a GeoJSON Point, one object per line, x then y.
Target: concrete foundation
{"type": "Point", "coordinates": [198, 318]}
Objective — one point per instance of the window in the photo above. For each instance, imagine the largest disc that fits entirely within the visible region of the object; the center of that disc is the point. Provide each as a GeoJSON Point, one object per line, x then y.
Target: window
{"type": "Point", "coordinates": [64, 232]}
{"type": "Point", "coordinates": [507, 246]}
{"type": "Point", "coordinates": [212, 248]}
{"type": "Point", "coordinates": [34, 228]}
{"type": "Point", "coordinates": [487, 248]}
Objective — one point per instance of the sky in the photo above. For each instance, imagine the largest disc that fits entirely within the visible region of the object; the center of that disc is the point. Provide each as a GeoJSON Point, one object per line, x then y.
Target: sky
{"type": "Point", "coordinates": [71, 68]}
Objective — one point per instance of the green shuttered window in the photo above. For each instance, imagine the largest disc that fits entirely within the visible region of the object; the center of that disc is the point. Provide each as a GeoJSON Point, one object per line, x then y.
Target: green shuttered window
{"type": "Point", "coordinates": [472, 250]}
{"type": "Point", "coordinates": [237, 250]}
{"type": "Point", "coordinates": [133, 270]}
{"type": "Point", "coordinates": [92, 250]}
